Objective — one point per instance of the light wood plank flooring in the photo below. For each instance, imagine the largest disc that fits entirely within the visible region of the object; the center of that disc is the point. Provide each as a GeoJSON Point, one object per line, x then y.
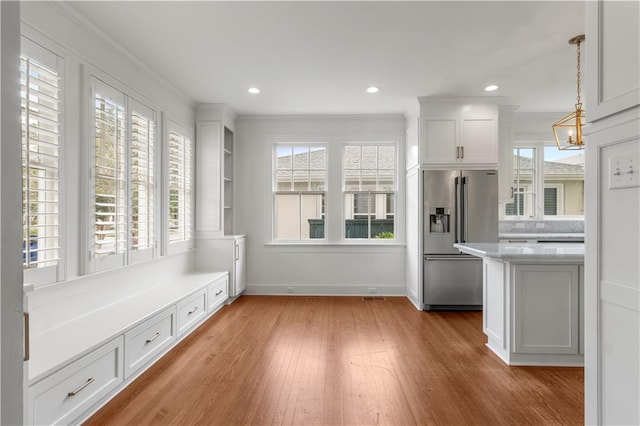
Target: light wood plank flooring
{"type": "Point", "coordinates": [342, 361]}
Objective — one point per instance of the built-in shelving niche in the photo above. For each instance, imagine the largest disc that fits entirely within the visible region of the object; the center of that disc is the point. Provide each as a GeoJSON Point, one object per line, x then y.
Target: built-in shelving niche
{"type": "Point", "coordinates": [228, 181]}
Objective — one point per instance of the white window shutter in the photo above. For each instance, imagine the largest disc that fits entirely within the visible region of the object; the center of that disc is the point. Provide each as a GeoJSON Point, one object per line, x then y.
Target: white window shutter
{"type": "Point", "coordinates": [40, 108]}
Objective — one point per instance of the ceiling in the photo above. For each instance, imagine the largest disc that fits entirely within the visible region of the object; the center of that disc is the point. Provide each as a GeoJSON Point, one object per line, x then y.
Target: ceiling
{"type": "Point", "coordinates": [319, 57]}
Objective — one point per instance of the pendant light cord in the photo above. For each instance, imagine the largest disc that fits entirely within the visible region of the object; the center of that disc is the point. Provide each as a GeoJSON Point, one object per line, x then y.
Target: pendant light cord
{"type": "Point", "coordinates": [579, 104]}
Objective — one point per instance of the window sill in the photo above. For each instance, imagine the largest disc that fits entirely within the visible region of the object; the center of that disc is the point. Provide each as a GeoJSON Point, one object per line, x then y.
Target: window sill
{"type": "Point", "coordinates": [343, 247]}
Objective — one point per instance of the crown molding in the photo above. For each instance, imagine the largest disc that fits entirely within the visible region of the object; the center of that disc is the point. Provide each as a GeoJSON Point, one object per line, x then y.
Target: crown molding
{"type": "Point", "coordinates": [70, 11]}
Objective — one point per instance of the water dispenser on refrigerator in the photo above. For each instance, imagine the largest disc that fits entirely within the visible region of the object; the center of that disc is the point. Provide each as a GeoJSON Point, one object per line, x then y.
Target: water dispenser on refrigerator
{"type": "Point", "coordinates": [439, 220]}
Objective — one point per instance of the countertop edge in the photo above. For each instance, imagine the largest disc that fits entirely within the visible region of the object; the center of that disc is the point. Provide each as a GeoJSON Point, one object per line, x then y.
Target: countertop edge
{"type": "Point", "coordinates": [494, 251]}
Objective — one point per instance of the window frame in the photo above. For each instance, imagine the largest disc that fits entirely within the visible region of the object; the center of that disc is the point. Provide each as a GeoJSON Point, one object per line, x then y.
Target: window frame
{"type": "Point", "coordinates": [538, 186]}
{"type": "Point", "coordinates": [46, 57]}
{"type": "Point", "coordinates": [275, 192]}
{"type": "Point", "coordinates": [347, 193]}
{"type": "Point", "coordinates": [98, 82]}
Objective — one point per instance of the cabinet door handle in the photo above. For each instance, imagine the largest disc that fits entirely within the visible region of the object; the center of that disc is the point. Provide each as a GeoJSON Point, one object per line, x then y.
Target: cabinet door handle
{"type": "Point", "coordinates": [219, 293]}
{"type": "Point", "coordinates": [87, 383]}
{"type": "Point", "coordinates": [27, 348]}
{"type": "Point", "coordinates": [512, 192]}
{"type": "Point", "coordinates": [462, 152]}
{"type": "Point", "coordinates": [155, 336]}
{"type": "Point", "coordinates": [195, 308]}
{"type": "Point", "coordinates": [237, 252]}
{"type": "Point", "coordinates": [457, 152]}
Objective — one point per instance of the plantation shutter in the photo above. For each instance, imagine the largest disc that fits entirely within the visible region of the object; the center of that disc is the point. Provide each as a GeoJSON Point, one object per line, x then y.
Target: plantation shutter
{"type": "Point", "coordinates": [179, 187]}
{"type": "Point", "coordinates": [142, 181]}
{"type": "Point", "coordinates": [110, 173]}
{"type": "Point", "coordinates": [40, 110]}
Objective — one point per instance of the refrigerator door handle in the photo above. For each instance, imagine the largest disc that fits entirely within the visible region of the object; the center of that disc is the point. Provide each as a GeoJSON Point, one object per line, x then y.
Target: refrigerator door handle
{"type": "Point", "coordinates": [463, 212]}
{"type": "Point", "coordinates": [456, 210]}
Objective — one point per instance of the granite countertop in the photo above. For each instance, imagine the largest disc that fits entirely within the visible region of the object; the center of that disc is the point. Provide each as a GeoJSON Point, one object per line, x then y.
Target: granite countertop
{"type": "Point", "coordinates": [552, 252]}
{"type": "Point", "coordinates": [545, 236]}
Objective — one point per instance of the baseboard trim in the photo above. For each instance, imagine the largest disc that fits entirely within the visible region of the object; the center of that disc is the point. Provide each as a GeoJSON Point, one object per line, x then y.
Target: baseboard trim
{"type": "Point", "coordinates": [325, 290]}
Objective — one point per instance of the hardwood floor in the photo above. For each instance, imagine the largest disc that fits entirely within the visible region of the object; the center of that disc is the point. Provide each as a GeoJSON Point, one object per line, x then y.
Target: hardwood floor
{"type": "Point", "coordinates": [342, 361]}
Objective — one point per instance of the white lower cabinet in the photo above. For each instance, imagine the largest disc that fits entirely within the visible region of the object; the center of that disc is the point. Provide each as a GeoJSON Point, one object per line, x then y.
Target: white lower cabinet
{"type": "Point", "coordinates": [226, 253]}
{"type": "Point", "coordinates": [145, 341]}
{"type": "Point", "coordinates": [144, 330]}
{"type": "Point", "coordinates": [62, 397]}
{"type": "Point", "coordinates": [191, 311]}
{"type": "Point", "coordinates": [546, 309]}
{"type": "Point", "coordinates": [495, 295]}
{"type": "Point", "coordinates": [217, 294]}
{"type": "Point", "coordinates": [533, 313]}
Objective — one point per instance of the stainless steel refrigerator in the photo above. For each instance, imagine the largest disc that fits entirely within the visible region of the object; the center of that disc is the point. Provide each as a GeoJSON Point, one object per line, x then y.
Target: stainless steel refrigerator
{"type": "Point", "coordinates": [459, 206]}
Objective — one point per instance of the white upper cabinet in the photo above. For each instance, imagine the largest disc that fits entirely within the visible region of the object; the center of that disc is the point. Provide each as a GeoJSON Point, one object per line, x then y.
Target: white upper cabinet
{"type": "Point", "coordinates": [613, 83]}
{"type": "Point", "coordinates": [438, 141]}
{"type": "Point", "coordinates": [214, 170]}
{"type": "Point", "coordinates": [479, 139]}
{"type": "Point", "coordinates": [458, 131]}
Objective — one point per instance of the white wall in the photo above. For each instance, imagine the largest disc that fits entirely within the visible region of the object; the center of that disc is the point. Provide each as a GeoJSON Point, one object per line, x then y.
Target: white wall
{"type": "Point", "coordinates": [11, 394]}
{"type": "Point", "coordinates": [331, 268]}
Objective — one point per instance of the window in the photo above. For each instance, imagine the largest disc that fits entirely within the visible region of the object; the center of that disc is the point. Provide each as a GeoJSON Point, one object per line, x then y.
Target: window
{"type": "Point", "coordinates": [124, 186]}
{"type": "Point", "coordinates": [563, 182]}
{"type": "Point", "coordinates": [299, 185]}
{"type": "Point", "coordinates": [524, 196]}
{"type": "Point", "coordinates": [369, 187]}
{"type": "Point", "coordinates": [143, 180]}
{"type": "Point", "coordinates": [110, 176]}
{"type": "Point", "coordinates": [41, 149]}
{"type": "Point", "coordinates": [180, 191]}
{"type": "Point", "coordinates": [557, 175]}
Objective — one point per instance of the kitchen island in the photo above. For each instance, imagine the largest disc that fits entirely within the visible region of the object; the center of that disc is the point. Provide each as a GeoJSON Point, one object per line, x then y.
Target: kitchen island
{"type": "Point", "coordinates": [533, 301]}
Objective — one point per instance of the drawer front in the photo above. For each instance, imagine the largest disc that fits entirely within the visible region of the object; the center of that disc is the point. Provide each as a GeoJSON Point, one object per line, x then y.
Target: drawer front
{"type": "Point", "coordinates": [147, 340]}
{"type": "Point", "coordinates": [191, 311]}
{"type": "Point", "coordinates": [65, 395]}
{"type": "Point", "coordinates": [217, 294]}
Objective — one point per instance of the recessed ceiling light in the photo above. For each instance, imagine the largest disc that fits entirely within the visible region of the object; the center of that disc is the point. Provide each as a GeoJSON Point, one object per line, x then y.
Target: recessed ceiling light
{"type": "Point", "coordinates": [254, 90]}
{"type": "Point", "coordinates": [373, 89]}
{"type": "Point", "coordinates": [491, 88]}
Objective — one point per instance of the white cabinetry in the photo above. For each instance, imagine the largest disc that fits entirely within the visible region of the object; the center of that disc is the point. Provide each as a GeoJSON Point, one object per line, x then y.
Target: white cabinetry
{"type": "Point", "coordinates": [145, 341]}
{"type": "Point", "coordinates": [89, 347]}
{"type": "Point", "coordinates": [191, 311]}
{"type": "Point", "coordinates": [612, 287]}
{"type": "Point", "coordinates": [505, 175]}
{"type": "Point", "coordinates": [214, 171]}
{"type": "Point", "coordinates": [217, 294]}
{"type": "Point", "coordinates": [228, 181]}
{"type": "Point", "coordinates": [458, 131]}
{"type": "Point", "coordinates": [225, 254]}
{"type": "Point", "coordinates": [546, 309]}
{"type": "Point", "coordinates": [612, 48]}
{"type": "Point", "coordinates": [66, 394]}
{"type": "Point", "coordinates": [533, 312]}
{"type": "Point", "coordinates": [495, 294]}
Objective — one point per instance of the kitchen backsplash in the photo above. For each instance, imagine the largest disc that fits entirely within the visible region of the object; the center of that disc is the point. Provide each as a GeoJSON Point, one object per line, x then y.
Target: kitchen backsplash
{"type": "Point", "coordinates": [575, 226]}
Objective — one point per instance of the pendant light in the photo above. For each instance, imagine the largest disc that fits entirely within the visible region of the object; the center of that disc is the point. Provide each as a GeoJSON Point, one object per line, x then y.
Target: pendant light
{"type": "Point", "coordinates": [568, 130]}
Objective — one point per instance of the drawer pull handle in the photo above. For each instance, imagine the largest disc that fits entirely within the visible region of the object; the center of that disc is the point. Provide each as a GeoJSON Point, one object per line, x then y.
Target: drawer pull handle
{"type": "Point", "coordinates": [77, 391]}
{"type": "Point", "coordinates": [219, 293]}
{"type": "Point", "coordinates": [195, 308]}
{"type": "Point", "coordinates": [155, 336]}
